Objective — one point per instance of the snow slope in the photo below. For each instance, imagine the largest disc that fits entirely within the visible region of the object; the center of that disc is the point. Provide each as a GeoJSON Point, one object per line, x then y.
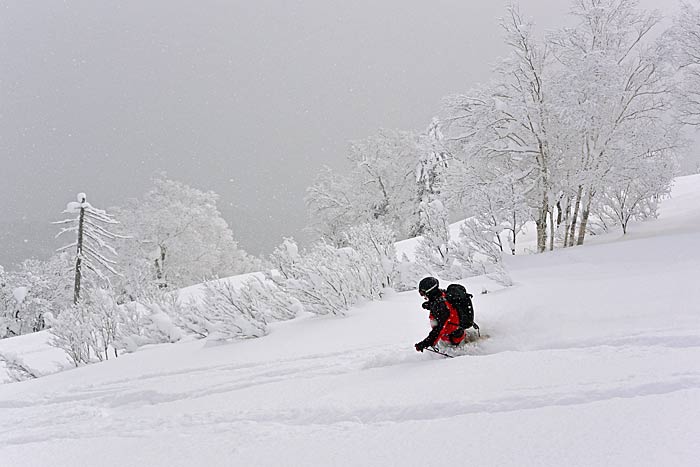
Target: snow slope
{"type": "Point", "coordinates": [594, 359]}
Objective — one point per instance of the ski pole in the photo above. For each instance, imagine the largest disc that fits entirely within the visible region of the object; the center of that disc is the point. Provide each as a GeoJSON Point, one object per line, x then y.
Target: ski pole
{"type": "Point", "coordinates": [434, 350]}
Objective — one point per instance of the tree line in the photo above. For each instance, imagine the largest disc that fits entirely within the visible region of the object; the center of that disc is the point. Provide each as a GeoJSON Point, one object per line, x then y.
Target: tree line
{"type": "Point", "coordinates": [578, 132]}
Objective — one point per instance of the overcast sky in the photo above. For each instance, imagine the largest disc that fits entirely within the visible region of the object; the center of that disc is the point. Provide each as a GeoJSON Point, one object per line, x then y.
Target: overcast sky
{"type": "Point", "coordinates": [245, 98]}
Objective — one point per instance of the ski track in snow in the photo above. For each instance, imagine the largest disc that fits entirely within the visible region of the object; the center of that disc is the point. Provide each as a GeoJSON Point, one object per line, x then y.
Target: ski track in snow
{"type": "Point", "coordinates": [114, 406]}
{"type": "Point", "coordinates": [677, 341]}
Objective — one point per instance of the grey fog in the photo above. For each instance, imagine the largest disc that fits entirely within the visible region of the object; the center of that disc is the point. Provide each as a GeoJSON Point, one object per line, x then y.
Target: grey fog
{"type": "Point", "coordinates": [247, 99]}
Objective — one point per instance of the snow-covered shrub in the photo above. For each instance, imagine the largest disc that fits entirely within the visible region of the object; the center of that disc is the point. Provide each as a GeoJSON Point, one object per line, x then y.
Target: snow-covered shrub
{"type": "Point", "coordinates": [263, 296]}
{"type": "Point", "coordinates": [374, 242]}
{"type": "Point", "coordinates": [226, 311]}
{"type": "Point", "coordinates": [70, 332]}
{"type": "Point", "coordinates": [16, 368]}
{"type": "Point", "coordinates": [286, 257]}
{"type": "Point", "coordinates": [87, 331]}
{"type": "Point", "coordinates": [318, 287]}
{"type": "Point", "coordinates": [184, 316]}
{"type": "Point", "coordinates": [325, 279]}
{"type": "Point", "coordinates": [157, 320]}
{"type": "Point", "coordinates": [104, 318]}
{"type": "Point", "coordinates": [476, 253]}
{"type": "Point", "coordinates": [98, 326]}
{"type": "Point", "coordinates": [225, 315]}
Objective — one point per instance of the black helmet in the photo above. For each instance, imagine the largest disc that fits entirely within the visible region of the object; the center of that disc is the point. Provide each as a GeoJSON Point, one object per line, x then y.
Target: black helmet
{"type": "Point", "coordinates": [428, 285]}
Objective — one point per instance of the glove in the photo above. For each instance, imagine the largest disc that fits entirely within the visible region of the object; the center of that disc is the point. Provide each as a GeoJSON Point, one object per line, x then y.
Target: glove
{"type": "Point", "coordinates": [426, 305]}
{"type": "Point", "coordinates": [420, 346]}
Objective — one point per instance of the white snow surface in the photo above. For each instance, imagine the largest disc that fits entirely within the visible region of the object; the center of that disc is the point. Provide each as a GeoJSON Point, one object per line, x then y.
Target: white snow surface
{"type": "Point", "coordinates": [593, 359]}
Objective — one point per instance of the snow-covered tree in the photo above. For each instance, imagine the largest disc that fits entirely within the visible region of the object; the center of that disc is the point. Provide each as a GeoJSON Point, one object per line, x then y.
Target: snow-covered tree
{"type": "Point", "coordinates": [684, 47]}
{"type": "Point", "coordinates": [619, 91]}
{"type": "Point", "coordinates": [7, 302]}
{"type": "Point", "coordinates": [563, 121]}
{"type": "Point", "coordinates": [476, 253]}
{"type": "Point", "coordinates": [494, 192]}
{"type": "Point", "coordinates": [433, 250]}
{"type": "Point", "coordinates": [33, 290]}
{"type": "Point", "coordinates": [332, 202]}
{"type": "Point", "coordinates": [430, 173]}
{"type": "Point", "coordinates": [380, 186]}
{"type": "Point", "coordinates": [636, 193]}
{"type": "Point", "coordinates": [29, 309]}
{"type": "Point", "coordinates": [91, 242]}
{"type": "Point", "coordinates": [513, 118]}
{"type": "Point", "coordinates": [179, 237]}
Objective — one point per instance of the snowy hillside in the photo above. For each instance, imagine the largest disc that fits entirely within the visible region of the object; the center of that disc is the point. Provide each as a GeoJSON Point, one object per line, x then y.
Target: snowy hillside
{"type": "Point", "coordinates": [593, 359]}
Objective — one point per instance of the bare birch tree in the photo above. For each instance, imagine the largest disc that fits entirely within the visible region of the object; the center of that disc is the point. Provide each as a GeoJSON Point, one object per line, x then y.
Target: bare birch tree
{"type": "Point", "coordinates": [619, 89]}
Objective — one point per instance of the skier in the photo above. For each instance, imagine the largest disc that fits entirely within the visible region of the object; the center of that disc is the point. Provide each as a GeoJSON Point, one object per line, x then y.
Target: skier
{"type": "Point", "coordinates": [444, 318]}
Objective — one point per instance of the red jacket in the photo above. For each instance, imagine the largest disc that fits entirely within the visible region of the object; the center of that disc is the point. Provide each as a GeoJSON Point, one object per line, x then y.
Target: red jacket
{"type": "Point", "coordinates": [444, 321]}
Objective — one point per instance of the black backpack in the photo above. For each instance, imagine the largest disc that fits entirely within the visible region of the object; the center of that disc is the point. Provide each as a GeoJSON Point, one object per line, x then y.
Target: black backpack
{"type": "Point", "coordinates": [457, 296]}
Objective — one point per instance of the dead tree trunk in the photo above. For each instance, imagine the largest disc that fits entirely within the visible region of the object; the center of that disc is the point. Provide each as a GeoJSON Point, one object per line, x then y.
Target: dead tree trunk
{"type": "Point", "coordinates": [79, 257]}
